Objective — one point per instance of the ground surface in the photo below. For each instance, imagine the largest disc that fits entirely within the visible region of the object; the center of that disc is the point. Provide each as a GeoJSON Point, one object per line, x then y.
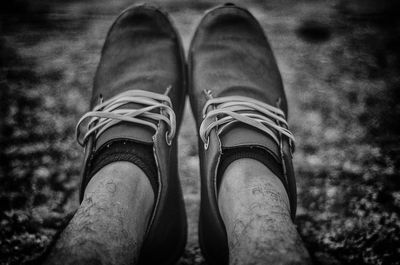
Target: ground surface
{"type": "Point", "coordinates": [340, 68]}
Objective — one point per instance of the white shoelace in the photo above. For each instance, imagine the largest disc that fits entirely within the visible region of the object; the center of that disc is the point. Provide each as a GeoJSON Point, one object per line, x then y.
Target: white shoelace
{"type": "Point", "coordinates": [107, 114]}
{"type": "Point", "coordinates": [227, 110]}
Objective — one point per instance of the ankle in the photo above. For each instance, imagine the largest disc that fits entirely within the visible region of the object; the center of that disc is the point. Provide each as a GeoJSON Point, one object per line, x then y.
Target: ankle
{"type": "Point", "coordinates": [110, 224]}
{"type": "Point", "coordinates": [246, 180]}
{"type": "Point", "coordinates": [121, 182]}
{"type": "Point", "coordinates": [126, 151]}
{"type": "Point", "coordinates": [121, 173]}
{"type": "Point", "coordinates": [255, 209]}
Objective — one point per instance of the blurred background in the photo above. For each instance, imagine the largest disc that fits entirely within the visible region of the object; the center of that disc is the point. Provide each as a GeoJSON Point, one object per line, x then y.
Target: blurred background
{"type": "Point", "coordinates": [340, 63]}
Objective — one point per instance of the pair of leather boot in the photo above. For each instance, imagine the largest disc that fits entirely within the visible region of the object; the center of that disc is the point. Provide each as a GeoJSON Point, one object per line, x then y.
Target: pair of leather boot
{"type": "Point", "coordinates": [236, 95]}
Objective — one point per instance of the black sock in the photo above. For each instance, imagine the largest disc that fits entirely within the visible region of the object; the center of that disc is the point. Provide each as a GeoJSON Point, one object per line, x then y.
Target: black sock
{"type": "Point", "coordinates": [257, 153]}
{"type": "Point", "coordinates": [139, 154]}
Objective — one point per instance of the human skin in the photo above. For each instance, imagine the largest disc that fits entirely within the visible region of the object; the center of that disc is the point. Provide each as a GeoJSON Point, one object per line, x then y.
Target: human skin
{"type": "Point", "coordinates": [110, 224]}
{"type": "Point", "coordinates": [255, 209]}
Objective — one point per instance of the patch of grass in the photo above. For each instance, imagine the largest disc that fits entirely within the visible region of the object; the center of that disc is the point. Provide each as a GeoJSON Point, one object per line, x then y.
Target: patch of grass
{"type": "Point", "coordinates": [351, 208]}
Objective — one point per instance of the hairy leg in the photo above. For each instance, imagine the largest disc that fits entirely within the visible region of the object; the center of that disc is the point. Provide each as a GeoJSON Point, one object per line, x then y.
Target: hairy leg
{"type": "Point", "coordinates": [255, 209]}
{"type": "Point", "coordinates": [109, 226]}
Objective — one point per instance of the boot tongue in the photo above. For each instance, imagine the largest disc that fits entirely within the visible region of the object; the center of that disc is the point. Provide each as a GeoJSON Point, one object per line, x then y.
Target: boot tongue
{"type": "Point", "coordinates": [126, 131]}
{"type": "Point", "coordinates": [243, 135]}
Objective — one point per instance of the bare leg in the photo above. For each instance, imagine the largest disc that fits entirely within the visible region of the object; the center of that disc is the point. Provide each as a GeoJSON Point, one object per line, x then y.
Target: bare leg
{"type": "Point", "coordinates": [255, 209]}
{"type": "Point", "coordinates": [109, 225]}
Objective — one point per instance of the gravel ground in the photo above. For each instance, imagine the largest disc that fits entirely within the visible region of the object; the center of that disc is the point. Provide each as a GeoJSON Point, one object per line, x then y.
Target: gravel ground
{"type": "Point", "coordinates": [340, 69]}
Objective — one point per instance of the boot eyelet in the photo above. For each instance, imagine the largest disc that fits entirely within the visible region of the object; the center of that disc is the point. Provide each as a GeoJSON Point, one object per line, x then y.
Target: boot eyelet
{"type": "Point", "coordinates": [207, 143]}
{"type": "Point", "coordinates": [168, 139]}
